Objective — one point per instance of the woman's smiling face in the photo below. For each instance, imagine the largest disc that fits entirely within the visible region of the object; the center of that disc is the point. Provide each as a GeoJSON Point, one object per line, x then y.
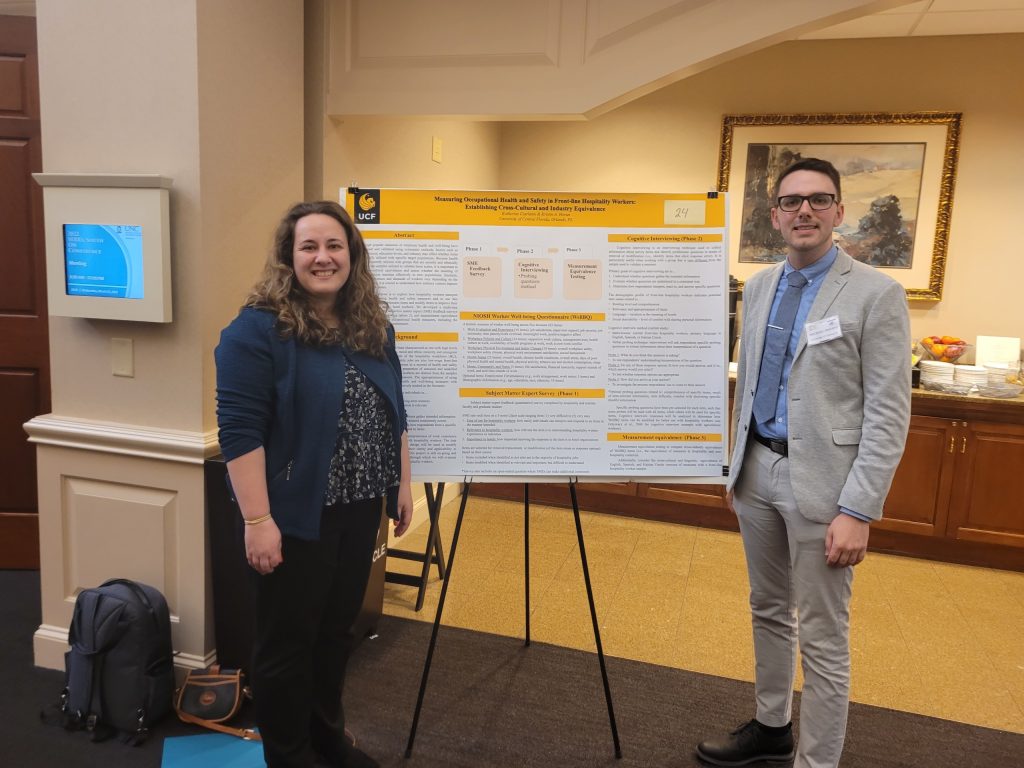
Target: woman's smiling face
{"type": "Point", "coordinates": [320, 258]}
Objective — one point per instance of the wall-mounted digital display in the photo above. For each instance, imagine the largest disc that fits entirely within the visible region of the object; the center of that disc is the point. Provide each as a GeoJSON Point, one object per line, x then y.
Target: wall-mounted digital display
{"type": "Point", "coordinates": [108, 245]}
{"type": "Point", "coordinates": [103, 260]}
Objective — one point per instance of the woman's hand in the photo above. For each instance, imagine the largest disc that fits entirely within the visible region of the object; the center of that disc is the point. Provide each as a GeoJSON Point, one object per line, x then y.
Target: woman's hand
{"type": "Point", "coordinates": [404, 508]}
{"type": "Point", "coordinates": [404, 490]}
{"type": "Point", "coordinates": [262, 540]}
{"type": "Point", "coordinates": [263, 546]}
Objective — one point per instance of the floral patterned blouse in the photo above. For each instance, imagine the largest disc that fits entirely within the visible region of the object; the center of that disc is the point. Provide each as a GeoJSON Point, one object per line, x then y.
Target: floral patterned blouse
{"type": "Point", "coordinates": [363, 464]}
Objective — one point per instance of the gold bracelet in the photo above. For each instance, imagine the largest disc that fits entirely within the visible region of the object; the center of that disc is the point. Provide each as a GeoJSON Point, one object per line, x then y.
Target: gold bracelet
{"type": "Point", "coordinates": [257, 520]}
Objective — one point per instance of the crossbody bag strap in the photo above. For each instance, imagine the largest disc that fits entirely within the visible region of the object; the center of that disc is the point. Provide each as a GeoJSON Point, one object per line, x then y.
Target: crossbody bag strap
{"type": "Point", "coordinates": [248, 734]}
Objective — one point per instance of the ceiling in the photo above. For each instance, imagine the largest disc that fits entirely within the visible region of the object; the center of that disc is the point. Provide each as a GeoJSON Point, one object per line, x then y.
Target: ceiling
{"type": "Point", "coordinates": [932, 17]}
{"type": "Point", "coordinates": [920, 19]}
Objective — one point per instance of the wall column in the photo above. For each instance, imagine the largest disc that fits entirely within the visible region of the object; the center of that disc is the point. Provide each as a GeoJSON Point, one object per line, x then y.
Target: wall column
{"type": "Point", "coordinates": [211, 96]}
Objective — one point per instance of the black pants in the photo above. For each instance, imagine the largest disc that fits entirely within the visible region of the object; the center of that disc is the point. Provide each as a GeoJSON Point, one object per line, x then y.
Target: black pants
{"type": "Point", "coordinates": [304, 611]}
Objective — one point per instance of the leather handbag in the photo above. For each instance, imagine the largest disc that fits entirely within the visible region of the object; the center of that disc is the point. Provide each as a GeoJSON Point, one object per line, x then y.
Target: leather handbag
{"type": "Point", "coordinates": [211, 697]}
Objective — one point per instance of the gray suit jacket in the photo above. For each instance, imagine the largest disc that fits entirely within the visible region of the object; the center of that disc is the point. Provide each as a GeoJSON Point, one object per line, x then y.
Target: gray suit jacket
{"type": "Point", "coordinates": [848, 399]}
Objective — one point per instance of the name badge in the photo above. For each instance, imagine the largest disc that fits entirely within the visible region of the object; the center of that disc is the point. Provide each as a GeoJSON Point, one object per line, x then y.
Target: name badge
{"type": "Point", "coordinates": [821, 331]}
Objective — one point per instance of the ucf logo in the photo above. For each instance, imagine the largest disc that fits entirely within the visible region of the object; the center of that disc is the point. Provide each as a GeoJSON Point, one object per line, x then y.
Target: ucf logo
{"type": "Point", "coordinates": [379, 552]}
{"type": "Point", "coordinates": [368, 206]}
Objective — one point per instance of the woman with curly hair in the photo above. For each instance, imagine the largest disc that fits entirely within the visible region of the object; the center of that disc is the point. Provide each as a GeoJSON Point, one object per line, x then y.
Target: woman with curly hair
{"type": "Point", "coordinates": [313, 428]}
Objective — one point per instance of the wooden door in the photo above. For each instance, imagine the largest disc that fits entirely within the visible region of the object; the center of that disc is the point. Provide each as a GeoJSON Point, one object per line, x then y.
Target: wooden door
{"type": "Point", "coordinates": [986, 496]}
{"type": "Point", "coordinates": [918, 501]}
{"type": "Point", "coordinates": [24, 349]}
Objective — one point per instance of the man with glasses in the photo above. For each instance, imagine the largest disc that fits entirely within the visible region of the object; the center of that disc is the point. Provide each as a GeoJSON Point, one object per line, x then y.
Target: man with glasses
{"type": "Point", "coordinates": [820, 418]}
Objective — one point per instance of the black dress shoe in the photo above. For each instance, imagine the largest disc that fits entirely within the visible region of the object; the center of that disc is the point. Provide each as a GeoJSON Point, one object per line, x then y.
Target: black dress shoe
{"type": "Point", "coordinates": [749, 743]}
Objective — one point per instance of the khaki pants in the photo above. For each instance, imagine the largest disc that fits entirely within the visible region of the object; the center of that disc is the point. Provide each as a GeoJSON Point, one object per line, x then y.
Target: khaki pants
{"type": "Point", "coordinates": [795, 597]}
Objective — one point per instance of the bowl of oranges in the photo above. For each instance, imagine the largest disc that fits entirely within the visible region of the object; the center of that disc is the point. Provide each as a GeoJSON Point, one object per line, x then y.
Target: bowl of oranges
{"type": "Point", "coordinates": [947, 349]}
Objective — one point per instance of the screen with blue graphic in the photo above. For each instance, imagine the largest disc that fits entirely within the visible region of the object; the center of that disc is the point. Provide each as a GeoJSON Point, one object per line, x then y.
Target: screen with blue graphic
{"type": "Point", "coordinates": [103, 260]}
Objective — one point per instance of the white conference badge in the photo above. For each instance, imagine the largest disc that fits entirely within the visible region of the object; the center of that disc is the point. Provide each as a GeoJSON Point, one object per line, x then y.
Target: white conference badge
{"type": "Point", "coordinates": [823, 330]}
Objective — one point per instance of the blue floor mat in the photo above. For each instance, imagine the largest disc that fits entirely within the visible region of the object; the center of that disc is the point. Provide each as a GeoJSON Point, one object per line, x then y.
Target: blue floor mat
{"type": "Point", "coordinates": [213, 750]}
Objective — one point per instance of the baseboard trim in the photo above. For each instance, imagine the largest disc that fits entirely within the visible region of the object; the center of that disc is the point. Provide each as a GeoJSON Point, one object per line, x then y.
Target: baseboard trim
{"type": "Point", "coordinates": [50, 643]}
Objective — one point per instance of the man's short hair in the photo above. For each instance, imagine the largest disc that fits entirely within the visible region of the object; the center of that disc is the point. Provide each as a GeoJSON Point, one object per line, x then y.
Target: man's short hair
{"type": "Point", "coordinates": [812, 164]}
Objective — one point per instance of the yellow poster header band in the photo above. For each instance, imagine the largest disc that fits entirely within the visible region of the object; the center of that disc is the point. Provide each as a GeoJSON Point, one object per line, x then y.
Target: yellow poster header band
{"type": "Point", "coordinates": [380, 234]}
{"type": "Point", "coordinates": [569, 393]}
{"type": "Point", "coordinates": [425, 336]}
{"type": "Point", "coordinates": [535, 317]}
{"type": "Point", "coordinates": [549, 209]}
{"type": "Point", "coordinates": [641, 238]}
{"type": "Point", "coordinates": [664, 437]}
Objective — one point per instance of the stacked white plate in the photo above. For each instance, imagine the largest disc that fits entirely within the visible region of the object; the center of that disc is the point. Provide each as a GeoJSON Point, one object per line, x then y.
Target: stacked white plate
{"type": "Point", "coordinates": [998, 372]}
{"type": "Point", "coordinates": [974, 375]}
{"type": "Point", "coordinates": [936, 372]}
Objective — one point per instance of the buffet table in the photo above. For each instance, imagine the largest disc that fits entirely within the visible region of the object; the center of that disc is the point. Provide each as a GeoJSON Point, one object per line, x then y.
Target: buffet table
{"type": "Point", "coordinates": [957, 495]}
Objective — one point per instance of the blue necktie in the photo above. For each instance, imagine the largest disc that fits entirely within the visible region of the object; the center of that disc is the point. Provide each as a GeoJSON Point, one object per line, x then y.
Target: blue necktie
{"type": "Point", "coordinates": [775, 343]}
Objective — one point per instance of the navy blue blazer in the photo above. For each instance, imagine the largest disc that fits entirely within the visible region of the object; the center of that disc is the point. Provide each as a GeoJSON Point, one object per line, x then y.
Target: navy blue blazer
{"type": "Point", "coordinates": [286, 396]}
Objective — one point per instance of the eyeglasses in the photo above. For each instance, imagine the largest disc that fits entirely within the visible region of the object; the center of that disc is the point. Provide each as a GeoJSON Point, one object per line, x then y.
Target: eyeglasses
{"type": "Point", "coordinates": [819, 201]}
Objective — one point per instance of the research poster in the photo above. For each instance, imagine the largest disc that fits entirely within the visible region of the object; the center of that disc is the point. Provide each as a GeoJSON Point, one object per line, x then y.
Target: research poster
{"type": "Point", "coordinates": [555, 335]}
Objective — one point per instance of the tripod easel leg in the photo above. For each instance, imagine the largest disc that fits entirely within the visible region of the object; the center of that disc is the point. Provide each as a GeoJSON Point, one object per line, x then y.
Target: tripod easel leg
{"type": "Point", "coordinates": [593, 618]}
{"type": "Point", "coordinates": [437, 620]}
{"type": "Point", "coordinates": [526, 558]}
{"type": "Point", "coordinates": [434, 554]}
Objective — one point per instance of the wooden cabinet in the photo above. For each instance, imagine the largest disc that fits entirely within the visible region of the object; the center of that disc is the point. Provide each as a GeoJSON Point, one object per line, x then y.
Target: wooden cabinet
{"type": "Point", "coordinates": [960, 480]}
{"type": "Point", "coordinates": [702, 495]}
{"type": "Point", "coordinates": [987, 500]}
{"type": "Point", "coordinates": [918, 501]}
{"type": "Point", "coordinates": [957, 495]}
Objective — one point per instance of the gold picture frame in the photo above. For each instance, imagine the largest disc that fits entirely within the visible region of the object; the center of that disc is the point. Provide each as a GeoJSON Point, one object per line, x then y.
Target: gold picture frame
{"type": "Point", "coordinates": [893, 140]}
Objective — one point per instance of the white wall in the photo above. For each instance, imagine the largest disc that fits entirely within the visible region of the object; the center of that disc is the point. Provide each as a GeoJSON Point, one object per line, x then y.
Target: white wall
{"type": "Point", "coordinates": [396, 153]}
{"type": "Point", "coordinates": [670, 140]}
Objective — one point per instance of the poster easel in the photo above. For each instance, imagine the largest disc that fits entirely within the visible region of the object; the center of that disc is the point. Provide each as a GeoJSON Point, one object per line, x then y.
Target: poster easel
{"type": "Point", "coordinates": [432, 555]}
{"type": "Point", "coordinates": [467, 485]}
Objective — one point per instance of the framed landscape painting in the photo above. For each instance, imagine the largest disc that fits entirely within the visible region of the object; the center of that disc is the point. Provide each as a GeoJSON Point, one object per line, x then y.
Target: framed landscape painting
{"type": "Point", "coordinates": [897, 170]}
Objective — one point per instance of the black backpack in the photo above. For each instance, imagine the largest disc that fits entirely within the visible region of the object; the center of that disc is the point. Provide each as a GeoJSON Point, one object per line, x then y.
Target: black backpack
{"type": "Point", "coordinates": [119, 675]}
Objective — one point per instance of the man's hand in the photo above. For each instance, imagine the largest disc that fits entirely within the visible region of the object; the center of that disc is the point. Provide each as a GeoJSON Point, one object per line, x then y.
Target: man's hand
{"type": "Point", "coordinates": [846, 542]}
